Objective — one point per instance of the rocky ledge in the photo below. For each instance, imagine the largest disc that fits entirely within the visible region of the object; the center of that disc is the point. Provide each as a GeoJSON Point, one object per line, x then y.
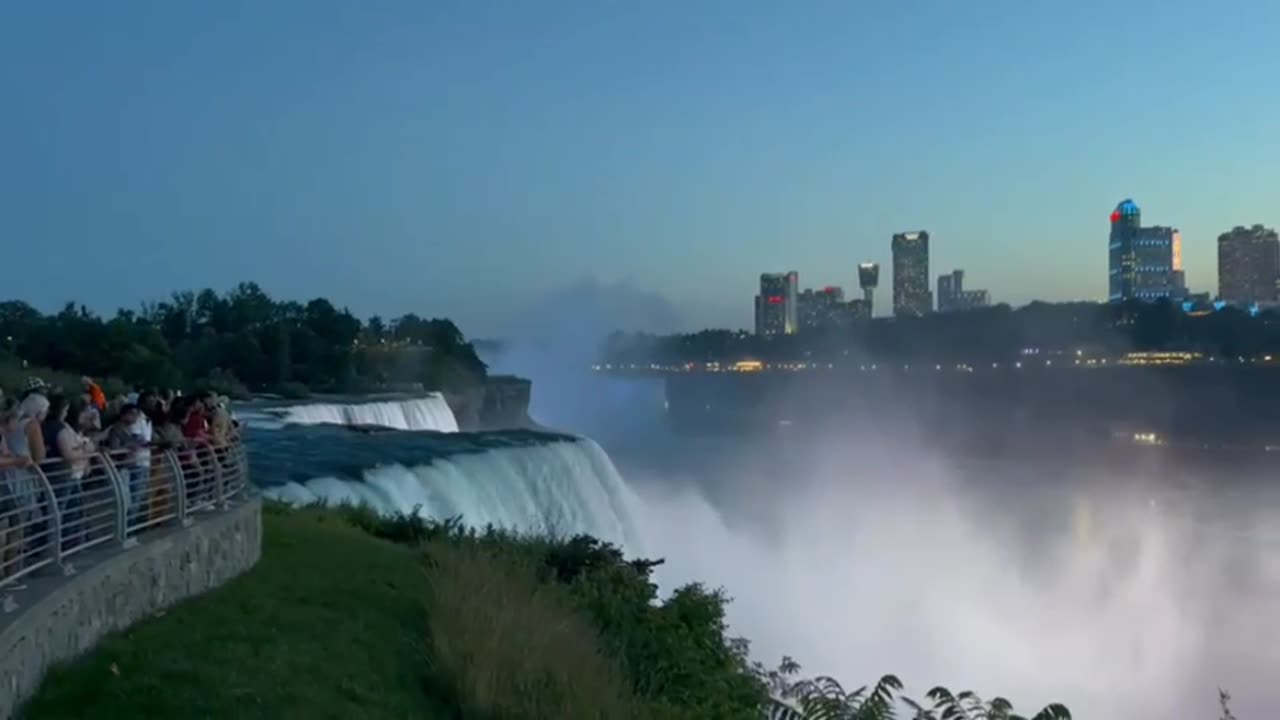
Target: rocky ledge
{"type": "Point", "coordinates": [501, 403]}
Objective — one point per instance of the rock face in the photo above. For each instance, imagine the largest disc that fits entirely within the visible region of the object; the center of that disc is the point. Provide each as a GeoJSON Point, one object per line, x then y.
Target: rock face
{"type": "Point", "coordinates": [61, 617]}
{"type": "Point", "coordinates": [501, 403]}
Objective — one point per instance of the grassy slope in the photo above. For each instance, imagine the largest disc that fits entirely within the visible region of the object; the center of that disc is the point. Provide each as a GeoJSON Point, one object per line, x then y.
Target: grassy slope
{"type": "Point", "coordinates": [328, 625]}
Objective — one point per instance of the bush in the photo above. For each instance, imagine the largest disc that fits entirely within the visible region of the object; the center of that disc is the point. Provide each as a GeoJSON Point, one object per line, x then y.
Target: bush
{"type": "Point", "coordinates": [676, 654]}
{"type": "Point", "coordinates": [677, 651]}
{"type": "Point", "coordinates": [513, 646]}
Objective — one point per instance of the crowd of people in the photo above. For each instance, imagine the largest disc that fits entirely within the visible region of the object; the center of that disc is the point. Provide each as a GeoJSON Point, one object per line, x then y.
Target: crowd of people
{"type": "Point", "coordinates": [64, 435]}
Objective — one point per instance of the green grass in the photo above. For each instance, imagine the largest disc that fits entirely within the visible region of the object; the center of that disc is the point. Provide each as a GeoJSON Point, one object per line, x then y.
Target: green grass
{"type": "Point", "coordinates": [336, 622]}
{"type": "Point", "coordinates": [508, 645]}
{"type": "Point", "coordinates": [329, 624]}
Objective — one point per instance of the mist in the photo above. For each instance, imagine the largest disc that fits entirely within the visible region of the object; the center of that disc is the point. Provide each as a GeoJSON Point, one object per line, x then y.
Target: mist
{"type": "Point", "coordinates": [1122, 592]}
{"type": "Point", "coordinates": [1121, 603]}
{"type": "Point", "coordinates": [557, 337]}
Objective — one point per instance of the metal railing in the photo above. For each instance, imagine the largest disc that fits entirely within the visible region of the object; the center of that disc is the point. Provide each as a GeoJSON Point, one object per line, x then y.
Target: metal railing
{"type": "Point", "coordinates": [51, 512]}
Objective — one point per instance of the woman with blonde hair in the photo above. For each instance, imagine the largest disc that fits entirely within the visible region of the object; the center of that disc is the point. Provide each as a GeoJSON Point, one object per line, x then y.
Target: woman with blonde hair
{"type": "Point", "coordinates": [19, 492]}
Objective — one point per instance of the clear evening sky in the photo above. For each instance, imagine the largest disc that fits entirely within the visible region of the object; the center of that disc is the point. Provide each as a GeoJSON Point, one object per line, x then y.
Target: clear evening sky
{"type": "Point", "coordinates": [462, 158]}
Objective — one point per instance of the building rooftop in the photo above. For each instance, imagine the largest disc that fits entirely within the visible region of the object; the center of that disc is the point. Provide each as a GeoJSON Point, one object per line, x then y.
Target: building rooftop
{"type": "Point", "coordinates": [1127, 207]}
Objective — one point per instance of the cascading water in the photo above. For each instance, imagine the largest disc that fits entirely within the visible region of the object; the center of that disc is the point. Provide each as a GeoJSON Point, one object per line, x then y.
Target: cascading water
{"type": "Point", "coordinates": [558, 485]}
{"type": "Point", "coordinates": [431, 412]}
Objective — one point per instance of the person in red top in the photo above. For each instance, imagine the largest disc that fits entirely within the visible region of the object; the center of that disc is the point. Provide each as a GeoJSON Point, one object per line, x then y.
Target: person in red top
{"type": "Point", "coordinates": [195, 426]}
{"type": "Point", "coordinates": [96, 396]}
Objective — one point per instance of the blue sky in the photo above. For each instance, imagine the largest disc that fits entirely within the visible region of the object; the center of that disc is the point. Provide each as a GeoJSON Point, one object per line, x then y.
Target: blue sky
{"type": "Point", "coordinates": [467, 158]}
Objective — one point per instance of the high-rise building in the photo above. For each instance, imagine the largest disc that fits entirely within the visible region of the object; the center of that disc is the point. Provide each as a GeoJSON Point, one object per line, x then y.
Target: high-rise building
{"type": "Point", "coordinates": [1157, 270]}
{"type": "Point", "coordinates": [1125, 221]}
{"type": "Point", "coordinates": [868, 280]}
{"type": "Point", "coordinates": [952, 297]}
{"type": "Point", "coordinates": [859, 310]}
{"type": "Point", "coordinates": [1248, 266]}
{"type": "Point", "coordinates": [777, 305]}
{"type": "Point", "coordinates": [949, 288]}
{"type": "Point", "coordinates": [822, 309]}
{"type": "Point", "coordinates": [911, 294]}
{"type": "Point", "coordinates": [1144, 263]}
{"type": "Point", "coordinates": [974, 299]}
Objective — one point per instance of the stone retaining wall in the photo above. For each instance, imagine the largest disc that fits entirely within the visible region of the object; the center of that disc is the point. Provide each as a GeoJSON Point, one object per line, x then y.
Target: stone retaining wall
{"type": "Point", "coordinates": [62, 617]}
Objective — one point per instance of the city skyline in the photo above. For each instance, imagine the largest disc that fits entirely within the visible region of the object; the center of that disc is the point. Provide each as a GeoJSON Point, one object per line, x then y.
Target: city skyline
{"type": "Point", "coordinates": [398, 160]}
{"type": "Point", "coordinates": [1144, 264]}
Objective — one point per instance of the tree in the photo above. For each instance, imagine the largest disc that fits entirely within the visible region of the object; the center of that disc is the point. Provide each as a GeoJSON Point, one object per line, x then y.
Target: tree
{"type": "Point", "coordinates": [200, 337]}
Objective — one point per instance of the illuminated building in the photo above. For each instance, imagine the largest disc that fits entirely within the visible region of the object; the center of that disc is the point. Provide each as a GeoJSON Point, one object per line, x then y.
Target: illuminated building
{"type": "Point", "coordinates": [1125, 221]}
{"type": "Point", "coordinates": [1248, 266]}
{"type": "Point", "coordinates": [974, 299]}
{"type": "Point", "coordinates": [859, 310]}
{"type": "Point", "coordinates": [1144, 263]}
{"type": "Point", "coordinates": [823, 308]}
{"type": "Point", "coordinates": [1157, 269]}
{"type": "Point", "coordinates": [911, 296]}
{"type": "Point", "coordinates": [952, 297]}
{"type": "Point", "coordinates": [777, 305]}
{"type": "Point", "coordinates": [949, 288]}
{"type": "Point", "coordinates": [868, 280]}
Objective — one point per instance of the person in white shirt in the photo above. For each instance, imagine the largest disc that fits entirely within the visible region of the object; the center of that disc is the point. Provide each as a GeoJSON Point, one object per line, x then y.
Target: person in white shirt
{"type": "Point", "coordinates": [132, 432]}
{"type": "Point", "coordinates": [140, 471]}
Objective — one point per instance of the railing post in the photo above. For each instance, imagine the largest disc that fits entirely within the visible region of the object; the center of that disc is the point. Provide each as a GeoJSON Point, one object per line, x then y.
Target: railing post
{"type": "Point", "coordinates": [55, 523]}
{"type": "Point", "coordinates": [179, 487]}
{"type": "Point", "coordinates": [122, 507]}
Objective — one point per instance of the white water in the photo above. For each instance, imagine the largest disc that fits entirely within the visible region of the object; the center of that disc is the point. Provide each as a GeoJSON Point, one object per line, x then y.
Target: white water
{"type": "Point", "coordinates": [424, 413]}
{"type": "Point", "coordinates": [563, 487]}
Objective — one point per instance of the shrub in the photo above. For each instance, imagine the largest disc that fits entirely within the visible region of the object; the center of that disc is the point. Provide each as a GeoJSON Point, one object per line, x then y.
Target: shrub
{"type": "Point", "coordinates": [675, 654]}
{"type": "Point", "coordinates": [513, 646]}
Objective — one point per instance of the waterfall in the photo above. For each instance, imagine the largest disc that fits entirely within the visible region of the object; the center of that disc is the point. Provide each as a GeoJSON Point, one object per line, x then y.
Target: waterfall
{"type": "Point", "coordinates": [561, 487]}
{"type": "Point", "coordinates": [424, 413]}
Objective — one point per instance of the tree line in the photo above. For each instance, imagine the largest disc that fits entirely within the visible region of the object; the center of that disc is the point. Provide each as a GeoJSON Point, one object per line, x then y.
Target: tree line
{"type": "Point", "coordinates": [241, 341]}
{"type": "Point", "coordinates": [995, 334]}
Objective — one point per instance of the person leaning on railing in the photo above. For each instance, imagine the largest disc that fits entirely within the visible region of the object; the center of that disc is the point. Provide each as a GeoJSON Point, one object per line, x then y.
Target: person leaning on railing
{"type": "Point", "coordinates": [14, 495]}
{"type": "Point", "coordinates": [129, 437]}
{"type": "Point", "coordinates": [64, 441]}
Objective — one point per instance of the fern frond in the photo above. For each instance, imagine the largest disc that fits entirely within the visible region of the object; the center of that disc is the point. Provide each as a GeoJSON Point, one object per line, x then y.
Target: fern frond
{"type": "Point", "coordinates": [1054, 711]}
{"type": "Point", "coordinates": [779, 710]}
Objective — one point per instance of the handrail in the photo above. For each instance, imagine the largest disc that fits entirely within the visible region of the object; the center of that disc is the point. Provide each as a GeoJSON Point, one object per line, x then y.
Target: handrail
{"type": "Point", "coordinates": [56, 510]}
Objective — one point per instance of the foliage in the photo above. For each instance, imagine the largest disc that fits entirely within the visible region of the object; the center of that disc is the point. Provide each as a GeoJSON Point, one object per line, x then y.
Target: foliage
{"type": "Point", "coordinates": [513, 646]}
{"type": "Point", "coordinates": [293, 390]}
{"type": "Point", "coordinates": [675, 652]}
{"type": "Point", "coordinates": [13, 377]}
{"type": "Point", "coordinates": [823, 698]}
{"type": "Point", "coordinates": [241, 340]}
{"type": "Point", "coordinates": [224, 382]}
{"type": "Point", "coordinates": [1224, 701]}
{"type": "Point", "coordinates": [995, 334]}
